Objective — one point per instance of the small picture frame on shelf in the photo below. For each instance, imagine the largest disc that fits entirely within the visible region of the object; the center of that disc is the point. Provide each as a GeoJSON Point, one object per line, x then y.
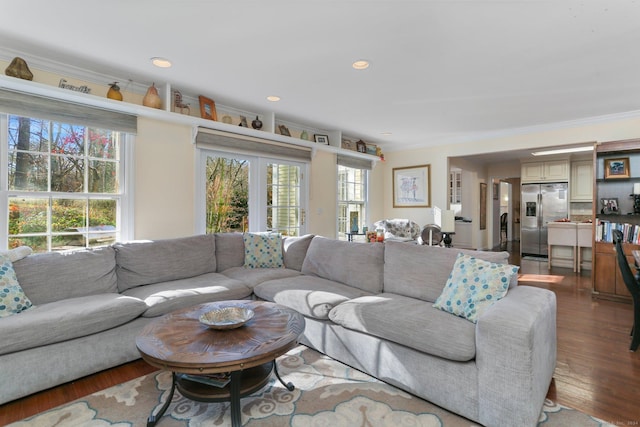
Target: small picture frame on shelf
{"type": "Point", "coordinates": [361, 146]}
{"type": "Point", "coordinates": [207, 108]}
{"type": "Point", "coordinates": [616, 168]}
{"type": "Point", "coordinates": [609, 206]}
{"type": "Point", "coordinates": [284, 130]}
{"type": "Point", "coordinates": [321, 139]}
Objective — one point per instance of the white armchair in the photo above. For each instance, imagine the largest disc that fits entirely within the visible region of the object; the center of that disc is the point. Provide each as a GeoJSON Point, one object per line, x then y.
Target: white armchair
{"type": "Point", "coordinates": [399, 229]}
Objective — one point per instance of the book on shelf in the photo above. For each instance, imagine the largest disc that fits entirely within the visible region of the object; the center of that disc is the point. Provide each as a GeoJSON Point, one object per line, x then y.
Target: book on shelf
{"type": "Point", "coordinates": [604, 228]}
{"type": "Point", "coordinates": [215, 380]}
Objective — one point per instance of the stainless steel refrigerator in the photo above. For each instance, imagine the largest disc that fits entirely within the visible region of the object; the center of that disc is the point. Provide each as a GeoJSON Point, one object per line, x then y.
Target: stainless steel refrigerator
{"type": "Point", "coordinates": [541, 204]}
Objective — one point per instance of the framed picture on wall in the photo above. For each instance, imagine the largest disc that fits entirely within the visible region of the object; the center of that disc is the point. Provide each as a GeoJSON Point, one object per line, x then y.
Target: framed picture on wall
{"type": "Point", "coordinates": [483, 206]}
{"type": "Point", "coordinates": [207, 108]}
{"type": "Point", "coordinates": [616, 168]}
{"type": "Point", "coordinates": [412, 187]}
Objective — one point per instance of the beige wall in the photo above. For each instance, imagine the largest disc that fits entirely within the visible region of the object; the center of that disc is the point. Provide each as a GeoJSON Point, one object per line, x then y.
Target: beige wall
{"type": "Point", "coordinates": [438, 158]}
{"type": "Point", "coordinates": [164, 180]}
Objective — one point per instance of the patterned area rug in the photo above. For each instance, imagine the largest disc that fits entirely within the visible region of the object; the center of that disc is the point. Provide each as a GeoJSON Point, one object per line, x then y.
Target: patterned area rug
{"type": "Point", "coordinates": [327, 393]}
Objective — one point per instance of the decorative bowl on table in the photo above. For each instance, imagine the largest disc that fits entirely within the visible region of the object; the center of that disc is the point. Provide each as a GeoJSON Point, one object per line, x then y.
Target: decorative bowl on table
{"type": "Point", "coordinates": [226, 317]}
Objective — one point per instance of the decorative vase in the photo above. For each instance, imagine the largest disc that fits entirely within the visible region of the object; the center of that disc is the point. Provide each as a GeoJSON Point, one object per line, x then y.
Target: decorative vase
{"type": "Point", "coordinates": [19, 68]}
{"type": "Point", "coordinates": [151, 98]}
{"type": "Point", "coordinates": [114, 92]}
{"type": "Point", "coordinates": [256, 124]}
{"type": "Point", "coordinates": [304, 135]}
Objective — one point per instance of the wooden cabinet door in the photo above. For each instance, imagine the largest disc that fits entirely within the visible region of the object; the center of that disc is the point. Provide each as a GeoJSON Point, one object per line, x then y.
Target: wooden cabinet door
{"type": "Point", "coordinates": [556, 170]}
{"type": "Point", "coordinates": [605, 273]}
{"type": "Point", "coordinates": [582, 181]}
{"type": "Point", "coordinates": [532, 172]}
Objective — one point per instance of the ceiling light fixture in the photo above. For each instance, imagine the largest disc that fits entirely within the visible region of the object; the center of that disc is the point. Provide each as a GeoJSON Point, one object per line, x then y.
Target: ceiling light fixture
{"type": "Point", "coordinates": [386, 133]}
{"type": "Point", "coordinates": [361, 64]}
{"type": "Point", "coordinates": [160, 62]}
{"type": "Point", "coordinates": [563, 151]}
{"type": "Point", "coordinates": [273, 98]}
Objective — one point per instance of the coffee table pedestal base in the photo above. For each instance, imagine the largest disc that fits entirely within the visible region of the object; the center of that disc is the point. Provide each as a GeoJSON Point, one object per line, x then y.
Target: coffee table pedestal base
{"type": "Point", "coordinates": [241, 384]}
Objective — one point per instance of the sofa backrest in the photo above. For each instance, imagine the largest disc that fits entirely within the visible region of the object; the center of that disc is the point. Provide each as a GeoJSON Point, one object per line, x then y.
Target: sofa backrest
{"type": "Point", "coordinates": [55, 276]}
{"type": "Point", "coordinates": [421, 271]}
{"type": "Point", "coordinates": [146, 262]}
{"type": "Point", "coordinates": [230, 250]}
{"type": "Point", "coordinates": [351, 263]}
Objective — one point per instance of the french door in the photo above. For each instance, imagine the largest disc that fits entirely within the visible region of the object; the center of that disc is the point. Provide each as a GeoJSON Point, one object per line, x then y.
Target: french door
{"type": "Point", "coordinates": [247, 193]}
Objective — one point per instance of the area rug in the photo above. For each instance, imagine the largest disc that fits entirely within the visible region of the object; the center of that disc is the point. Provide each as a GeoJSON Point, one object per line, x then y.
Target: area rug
{"type": "Point", "coordinates": [327, 393]}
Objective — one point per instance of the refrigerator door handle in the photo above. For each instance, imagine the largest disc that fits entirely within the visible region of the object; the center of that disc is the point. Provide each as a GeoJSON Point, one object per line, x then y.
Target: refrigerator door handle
{"type": "Point", "coordinates": [540, 216]}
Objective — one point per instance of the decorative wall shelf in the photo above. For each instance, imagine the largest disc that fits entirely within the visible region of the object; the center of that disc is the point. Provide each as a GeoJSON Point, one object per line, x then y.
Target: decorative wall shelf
{"type": "Point", "coordinates": [267, 132]}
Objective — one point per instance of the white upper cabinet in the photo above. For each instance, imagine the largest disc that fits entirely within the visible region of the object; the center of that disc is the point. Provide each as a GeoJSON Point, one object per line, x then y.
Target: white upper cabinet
{"type": "Point", "coordinates": [550, 171]}
{"type": "Point", "coordinates": [582, 181]}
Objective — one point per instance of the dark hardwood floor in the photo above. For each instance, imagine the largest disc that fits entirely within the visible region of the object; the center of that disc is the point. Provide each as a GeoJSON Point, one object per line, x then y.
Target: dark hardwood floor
{"type": "Point", "coordinates": [596, 373]}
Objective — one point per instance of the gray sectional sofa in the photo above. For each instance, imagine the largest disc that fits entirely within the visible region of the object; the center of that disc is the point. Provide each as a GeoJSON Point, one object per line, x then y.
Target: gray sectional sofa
{"type": "Point", "coordinates": [367, 305]}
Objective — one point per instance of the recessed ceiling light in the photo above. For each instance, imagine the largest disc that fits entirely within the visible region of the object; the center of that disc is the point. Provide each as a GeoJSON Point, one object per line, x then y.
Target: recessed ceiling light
{"type": "Point", "coordinates": [386, 133]}
{"type": "Point", "coordinates": [273, 98]}
{"type": "Point", "coordinates": [563, 151]}
{"type": "Point", "coordinates": [160, 62]}
{"type": "Point", "coordinates": [360, 64]}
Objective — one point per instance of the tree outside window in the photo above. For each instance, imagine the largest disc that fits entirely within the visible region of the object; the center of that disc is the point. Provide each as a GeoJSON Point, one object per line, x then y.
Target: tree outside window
{"type": "Point", "coordinates": [352, 197]}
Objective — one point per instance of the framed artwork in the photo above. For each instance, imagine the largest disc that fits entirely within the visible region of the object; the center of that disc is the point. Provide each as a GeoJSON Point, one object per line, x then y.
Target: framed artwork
{"type": "Point", "coordinates": [321, 139]}
{"type": "Point", "coordinates": [616, 168]}
{"type": "Point", "coordinates": [207, 108]}
{"type": "Point", "coordinates": [609, 206]}
{"type": "Point", "coordinates": [412, 187]}
{"type": "Point", "coordinates": [361, 146]}
{"type": "Point", "coordinates": [483, 206]}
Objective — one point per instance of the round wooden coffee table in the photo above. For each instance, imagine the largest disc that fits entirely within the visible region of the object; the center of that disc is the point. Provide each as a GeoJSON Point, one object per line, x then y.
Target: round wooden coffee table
{"type": "Point", "coordinates": [179, 343]}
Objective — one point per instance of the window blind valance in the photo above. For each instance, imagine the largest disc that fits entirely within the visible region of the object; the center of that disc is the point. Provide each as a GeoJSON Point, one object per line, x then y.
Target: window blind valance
{"type": "Point", "coordinates": [213, 140]}
{"type": "Point", "coordinates": [28, 105]}
{"type": "Point", "coordinates": [354, 162]}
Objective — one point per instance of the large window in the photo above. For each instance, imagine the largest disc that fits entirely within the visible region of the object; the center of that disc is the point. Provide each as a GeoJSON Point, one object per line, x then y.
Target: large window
{"type": "Point", "coordinates": [248, 193]}
{"type": "Point", "coordinates": [62, 184]}
{"type": "Point", "coordinates": [352, 199]}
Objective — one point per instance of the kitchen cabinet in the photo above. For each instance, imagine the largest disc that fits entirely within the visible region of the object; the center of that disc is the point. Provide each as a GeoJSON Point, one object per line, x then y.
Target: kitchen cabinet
{"type": "Point", "coordinates": [581, 184]}
{"type": "Point", "coordinates": [549, 171]}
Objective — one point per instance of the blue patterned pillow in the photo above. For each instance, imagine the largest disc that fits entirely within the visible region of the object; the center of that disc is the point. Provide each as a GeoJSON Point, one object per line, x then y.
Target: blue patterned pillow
{"type": "Point", "coordinates": [473, 286]}
{"type": "Point", "coordinates": [12, 297]}
{"type": "Point", "coordinates": [263, 250]}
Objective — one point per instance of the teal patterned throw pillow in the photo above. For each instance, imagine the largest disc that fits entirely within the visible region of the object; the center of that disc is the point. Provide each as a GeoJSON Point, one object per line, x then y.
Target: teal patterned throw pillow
{"type": "Point", "coordinates": [473, 286]}
{"type": "Point", "coordinates": [263, 250]}
{"type": "Point", "coordinates": [12, 297]}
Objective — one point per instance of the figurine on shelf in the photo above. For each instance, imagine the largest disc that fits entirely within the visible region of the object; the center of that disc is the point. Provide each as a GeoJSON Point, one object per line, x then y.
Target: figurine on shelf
{"type": "Point", "coordinates": [19, 68]}
{"type": "Point", "coordinates": [256, 124]}
{"type": "Point", "coordinates": [114, 92]}
{"type": "Point", "coordinates": [177, 102]}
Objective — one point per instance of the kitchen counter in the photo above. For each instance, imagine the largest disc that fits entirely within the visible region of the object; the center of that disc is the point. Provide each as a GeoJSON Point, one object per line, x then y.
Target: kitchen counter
{"type": "Point", "coordinates": [568, 242]}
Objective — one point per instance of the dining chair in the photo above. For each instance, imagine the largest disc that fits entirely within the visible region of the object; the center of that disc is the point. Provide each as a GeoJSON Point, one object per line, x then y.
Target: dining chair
{"type": "Point", "coordinates": [633, 286]}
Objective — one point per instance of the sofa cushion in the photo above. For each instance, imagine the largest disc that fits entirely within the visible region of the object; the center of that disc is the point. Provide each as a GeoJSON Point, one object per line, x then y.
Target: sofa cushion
{"type": "Point", "coordinates": [295, 249]}
{"type": "Point", "coordinates": [351, 263]}
{"type": "Point", "coordinates": [263, 250]}
{"type": "Point", "coordinates": [146, 262]}
{"type": "Point", "coordinates": [254, 276]}
{"type": "Point", "coordinates": [410, 322]}
{"type": "Point", "coordinates": [64, 320]}
{"type": "Point", "coordinates": [12, 298]}
{"type": "Point", "coordinates": [18, 253]}
{"type": "Point", "coordinates": [473, 286]}
{"type": "Point", "coordinates": [161, 298]}
{"type": "Point", "coordinates": [421, 271]}
{"type": "Point", "coordinates": [54, 276]}
{"type": "Point", "coordinates": [229, 251]}
{"type": "Point", "coordinates": [310, 296]}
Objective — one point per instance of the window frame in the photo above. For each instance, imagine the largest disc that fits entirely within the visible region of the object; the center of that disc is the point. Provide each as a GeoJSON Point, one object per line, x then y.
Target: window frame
{"type": "Point", "coordinates": [124, 199]}
{"type": "Point", "coordinates": [339, 202]}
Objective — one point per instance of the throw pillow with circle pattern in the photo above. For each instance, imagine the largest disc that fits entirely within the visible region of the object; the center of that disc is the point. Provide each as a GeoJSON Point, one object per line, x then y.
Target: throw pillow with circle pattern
{"type": "Point", "coordinates": [12, 298]}
{"type": "Point", "coordinates": [263, 250]}
{"type": "Point", "coordinates": [473, 286]}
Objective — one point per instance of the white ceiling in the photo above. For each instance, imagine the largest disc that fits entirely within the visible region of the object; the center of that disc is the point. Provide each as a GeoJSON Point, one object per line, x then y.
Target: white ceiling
{"type": "Point", "coordinates": [441, 71]}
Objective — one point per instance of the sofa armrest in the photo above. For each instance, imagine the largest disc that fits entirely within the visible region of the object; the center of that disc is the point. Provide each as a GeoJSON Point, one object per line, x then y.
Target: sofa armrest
{"type": "Point", "coordinates": [516, 356]}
